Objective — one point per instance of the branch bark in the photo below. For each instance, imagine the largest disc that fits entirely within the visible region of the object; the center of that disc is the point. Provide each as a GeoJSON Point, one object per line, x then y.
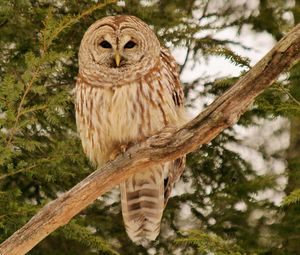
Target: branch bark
{"type": "Point", "coordinates": [162, 147]}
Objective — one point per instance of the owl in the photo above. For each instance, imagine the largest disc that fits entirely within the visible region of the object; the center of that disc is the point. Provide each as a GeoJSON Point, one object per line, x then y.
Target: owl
{"type": "Point", "coordinates": [128, 89]}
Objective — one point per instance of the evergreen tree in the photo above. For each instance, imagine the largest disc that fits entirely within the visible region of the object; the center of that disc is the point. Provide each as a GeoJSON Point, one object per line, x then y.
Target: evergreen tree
{"type": "Point", "coordinates": [41, 155]}
{"type": "Point", "coordinates": [289, 227]}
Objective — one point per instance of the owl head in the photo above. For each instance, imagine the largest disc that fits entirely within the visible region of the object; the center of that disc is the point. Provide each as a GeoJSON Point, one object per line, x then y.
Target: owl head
{"type": "Point", "coordinates": [116, 49]}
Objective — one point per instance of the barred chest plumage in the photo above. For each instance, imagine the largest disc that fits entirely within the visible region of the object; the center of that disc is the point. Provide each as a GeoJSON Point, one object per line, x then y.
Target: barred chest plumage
{"type": "Point", "coordinates": [110, 117]}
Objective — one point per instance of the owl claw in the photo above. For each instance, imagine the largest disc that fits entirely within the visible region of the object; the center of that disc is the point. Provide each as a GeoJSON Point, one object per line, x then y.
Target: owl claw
{"type": "Point", "coordinates": [123, 148]}
{"type": "Point", "coordinates": [112, 156]}
{"type": "Point", "coordinates": [117, 151]}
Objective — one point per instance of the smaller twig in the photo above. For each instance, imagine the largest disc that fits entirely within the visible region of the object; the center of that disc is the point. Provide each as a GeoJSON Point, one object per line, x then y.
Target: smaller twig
{"type": "Point", "coordinates": [186, 59]}
{"type": "Point", "coordinates": [42, 107]}
{"type": "Point", "coordinates": [190, 43]}
{"type": "Point", "coordinates": [16, 172]}
{"type": "Point", "coordinates": [204, 13]}
{"type": "Point", "coordinates": [3, 23]}
{"type": "Point", "coordinates": [20, 107]}
{"type": "Point", "coordinates": [289, 94]}
{"type": "Point", "coordinates": [41, 161]}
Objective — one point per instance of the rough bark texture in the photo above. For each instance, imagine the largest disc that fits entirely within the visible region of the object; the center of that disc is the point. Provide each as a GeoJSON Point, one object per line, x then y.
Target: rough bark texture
{"type": "Point", "coordinates": [165, 146]}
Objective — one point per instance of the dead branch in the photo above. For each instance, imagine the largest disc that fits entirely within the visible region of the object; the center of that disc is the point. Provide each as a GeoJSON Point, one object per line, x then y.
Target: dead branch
{"type": "Point", "coordinates": [222, 113]}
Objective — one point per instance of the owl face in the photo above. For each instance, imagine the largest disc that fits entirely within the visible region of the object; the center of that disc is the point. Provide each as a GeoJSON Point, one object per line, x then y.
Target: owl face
{"type": "Point", "coordinates": [117, 46]}
{"type": "Point", "coordinates": [119, 49]}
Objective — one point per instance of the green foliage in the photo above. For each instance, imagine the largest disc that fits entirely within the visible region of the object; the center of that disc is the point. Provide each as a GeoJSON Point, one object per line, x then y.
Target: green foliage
{"type": "Point", "coordinates": [52, 27]}
{"type": "Point", "coordinates": [74, 231]}
{"type": "Point", "coordinates": [41, 155]}
{"type": "Point", "coordinates": [208, 243]}
{"type": "Point", "coordinates": [292, 198]}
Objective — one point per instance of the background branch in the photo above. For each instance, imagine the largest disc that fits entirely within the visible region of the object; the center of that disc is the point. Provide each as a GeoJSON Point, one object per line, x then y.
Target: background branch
{"type": "Point", "coordinates": [162, 147]}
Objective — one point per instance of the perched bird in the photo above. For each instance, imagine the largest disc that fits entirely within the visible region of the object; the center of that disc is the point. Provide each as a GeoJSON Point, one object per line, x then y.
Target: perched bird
{"type": "Point", "coordinates": [127, 89]}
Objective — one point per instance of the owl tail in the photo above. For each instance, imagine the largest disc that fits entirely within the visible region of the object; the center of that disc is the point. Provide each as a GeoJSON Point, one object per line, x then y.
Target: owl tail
{"type": "Point", "coordinates": [142, 199]}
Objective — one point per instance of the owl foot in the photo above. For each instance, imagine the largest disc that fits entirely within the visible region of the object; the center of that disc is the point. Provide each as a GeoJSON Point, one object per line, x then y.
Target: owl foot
{"type": "Point", "coordinates": [117, 151]}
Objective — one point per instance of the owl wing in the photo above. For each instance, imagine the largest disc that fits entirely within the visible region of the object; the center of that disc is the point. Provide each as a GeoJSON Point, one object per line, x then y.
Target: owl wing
{"type": "Point", "coordinates": [175, 171]}
{"type": "Point", "coordinates": [177, 166]}
{"type": "Point", "coordinates": [172, 71]}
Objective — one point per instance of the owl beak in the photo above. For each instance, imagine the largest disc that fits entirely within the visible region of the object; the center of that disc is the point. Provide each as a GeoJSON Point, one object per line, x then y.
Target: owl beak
{"type": "Point", "coordinates": [117, 58]}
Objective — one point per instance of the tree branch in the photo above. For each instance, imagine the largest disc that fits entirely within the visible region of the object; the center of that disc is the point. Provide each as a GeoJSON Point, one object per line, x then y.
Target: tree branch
{"type": "Point", "coordinates": [162, 147]}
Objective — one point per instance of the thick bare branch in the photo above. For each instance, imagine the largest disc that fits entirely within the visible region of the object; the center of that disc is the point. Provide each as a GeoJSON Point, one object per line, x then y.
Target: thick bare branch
{"type": "Point", "coordinates": [222, 113]}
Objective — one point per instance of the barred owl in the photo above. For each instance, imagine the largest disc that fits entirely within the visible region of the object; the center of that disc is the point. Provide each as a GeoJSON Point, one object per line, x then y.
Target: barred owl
{"type": "Point", "coordinates": [128, 89]}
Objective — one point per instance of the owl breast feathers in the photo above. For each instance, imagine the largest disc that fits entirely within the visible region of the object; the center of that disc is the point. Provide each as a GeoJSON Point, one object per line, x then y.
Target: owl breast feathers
{"type": "Point", "coordinates": [128, 88]}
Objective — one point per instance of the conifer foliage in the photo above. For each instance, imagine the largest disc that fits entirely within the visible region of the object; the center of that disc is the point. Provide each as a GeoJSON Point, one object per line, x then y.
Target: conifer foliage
{"type": "Point", "coordinates": [41, 155]}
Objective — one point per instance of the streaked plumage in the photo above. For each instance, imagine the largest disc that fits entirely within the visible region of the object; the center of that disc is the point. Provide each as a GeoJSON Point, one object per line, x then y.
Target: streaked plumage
{"type": "Point", "coordinates": [124, 94]}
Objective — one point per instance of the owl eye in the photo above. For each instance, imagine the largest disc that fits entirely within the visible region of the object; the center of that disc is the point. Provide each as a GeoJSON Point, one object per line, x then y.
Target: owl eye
{"type": "Point", "coordinates": [129, 45]}
{"type": "Point", "coordinates": [105, 44]}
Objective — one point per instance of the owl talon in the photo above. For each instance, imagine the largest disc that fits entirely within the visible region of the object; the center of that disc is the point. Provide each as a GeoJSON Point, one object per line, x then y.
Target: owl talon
{"type": "Point", "coordinates": [113, 155]}
{"type": "Point", "coordinates": [117, 151]}
{"type": "Point", "coordinates": [123, 148]}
